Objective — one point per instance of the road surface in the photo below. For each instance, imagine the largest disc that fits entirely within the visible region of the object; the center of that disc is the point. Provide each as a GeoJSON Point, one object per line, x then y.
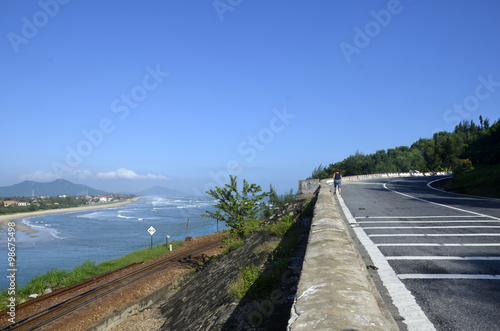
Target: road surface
{"type": "Point", "coordinates": [438, 254]}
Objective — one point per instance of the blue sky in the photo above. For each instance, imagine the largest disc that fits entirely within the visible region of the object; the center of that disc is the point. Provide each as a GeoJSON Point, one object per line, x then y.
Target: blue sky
{"type": "Point", "coordinates": [124, 95]}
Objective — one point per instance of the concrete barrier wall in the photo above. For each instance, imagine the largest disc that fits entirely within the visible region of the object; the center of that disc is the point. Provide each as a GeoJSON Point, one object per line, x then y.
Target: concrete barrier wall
{"type": "Point", "coordinates": [335, 291]}
{"type": "Point", "coordinates": [308, 186]}
{"type": "Point", "coordinates": [390, 175]}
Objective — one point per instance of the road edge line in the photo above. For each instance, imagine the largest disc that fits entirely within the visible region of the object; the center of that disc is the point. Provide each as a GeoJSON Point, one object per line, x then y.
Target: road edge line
{"type": "Point", "coordinates": [414, 317]}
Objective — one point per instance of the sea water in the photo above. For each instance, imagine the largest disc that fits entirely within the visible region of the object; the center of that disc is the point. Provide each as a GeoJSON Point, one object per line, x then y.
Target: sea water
{"type": "Point", "coordinates": [65, 240]}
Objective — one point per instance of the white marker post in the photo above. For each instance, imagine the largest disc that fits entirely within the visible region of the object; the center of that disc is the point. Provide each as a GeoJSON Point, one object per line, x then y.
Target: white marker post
{"type": "Point", "coordinates": [151, 231]}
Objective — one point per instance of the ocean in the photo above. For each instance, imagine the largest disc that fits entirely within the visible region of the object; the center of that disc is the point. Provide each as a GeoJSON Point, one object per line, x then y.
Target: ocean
{"type": "Point", "coordinates": [65, 240]}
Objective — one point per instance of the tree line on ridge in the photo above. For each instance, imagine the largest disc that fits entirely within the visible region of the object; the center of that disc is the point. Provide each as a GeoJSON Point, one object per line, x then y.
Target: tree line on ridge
{"type": "Point", "coordinates": [479, 143]}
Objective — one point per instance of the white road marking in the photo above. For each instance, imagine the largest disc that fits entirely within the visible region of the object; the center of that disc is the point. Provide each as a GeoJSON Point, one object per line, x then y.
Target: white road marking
{"type": "Point", "coordinates": [433, 227]}
{"type": "Point", "coordinates": [413, 315]}
{"type": "Point", "coordinates": [459, 258]}
{"type": "Point", "coordinates": [403, 217]}
{"type": "Point", "coordinates": [436, 235]}
{"type": "Point", "coordinates": [408, 308]}
{"type": "Point", "coordinates": [448, 276]}
{"type": "Point", "coordinates": [443, 245]}
{"type": "Point", "coordinates": [429, 185]}
{"type": "Point", "coordinates": [440, 204]}
{"type": "Point", "coordinates": [410, 222]}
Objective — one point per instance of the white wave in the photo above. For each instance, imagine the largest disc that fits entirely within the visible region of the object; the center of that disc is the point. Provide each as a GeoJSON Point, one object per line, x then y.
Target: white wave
{"type": "Point", "coordinates": [126, 217]}
{"type": "Point", "coordinates": [157, 201]}
{"type": "Point", "coordinates": [45, 227]}
{"type": "Point", "coordinates": [98, 215]}
{"type": "Point", "coordinates": [56, 234]}
{"type": "Point", "coordinates": [188, 206]}
{"type": "Point", "coordinates": [90, 215]}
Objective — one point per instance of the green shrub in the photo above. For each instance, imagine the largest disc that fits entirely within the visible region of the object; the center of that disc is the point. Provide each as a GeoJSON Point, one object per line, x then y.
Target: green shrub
{"type": "Point", "coordinates": [282, 226]}
{"type": "Point", "coordinates": [245, 280]}
{"type": "Point", "coordinates": [482, 180]}
{"type": "Point", "coordinates": [276, 202]}
{"type": "Point", "coordinates": [236, 208]}
{"type": "Point", "coordinates": [232, 244]}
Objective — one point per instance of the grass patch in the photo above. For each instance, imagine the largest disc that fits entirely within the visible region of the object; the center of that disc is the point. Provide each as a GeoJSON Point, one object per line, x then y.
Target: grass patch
{"type": "Point", "coordinates": [281, 227]}
{"type": "Point", "coordinates": [56, 278]}
{"type": "Point", "coordinates": [138, 257]}
{"type": "Point", "coordinates": [232, 244]}
{"type": "Point", "coordinates": [478, 180]}
{"type": "Point", "coordinates": [258, 283]}
{"type": "Point", "coordinates": [267, 247]}
{"type": "Point", "coordinates": [245, 280]}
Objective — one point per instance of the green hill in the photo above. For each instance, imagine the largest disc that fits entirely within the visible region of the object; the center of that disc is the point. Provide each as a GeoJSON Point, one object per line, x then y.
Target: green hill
{"type": "Point", "coordinates": [55, 188]}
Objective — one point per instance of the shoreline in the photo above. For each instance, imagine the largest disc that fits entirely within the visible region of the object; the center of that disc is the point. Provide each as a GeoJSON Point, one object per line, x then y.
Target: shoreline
{"type": "Point", "coordinates": [5, 219]}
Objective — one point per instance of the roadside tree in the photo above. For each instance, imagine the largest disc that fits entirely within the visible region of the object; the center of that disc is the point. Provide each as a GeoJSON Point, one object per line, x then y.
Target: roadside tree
{"type": "Point", "coordinates": [236, 209]}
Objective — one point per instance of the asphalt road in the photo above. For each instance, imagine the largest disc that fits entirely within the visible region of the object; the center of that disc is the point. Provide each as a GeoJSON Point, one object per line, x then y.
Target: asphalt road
{"type": "Point", "coordinates": [438, 253]}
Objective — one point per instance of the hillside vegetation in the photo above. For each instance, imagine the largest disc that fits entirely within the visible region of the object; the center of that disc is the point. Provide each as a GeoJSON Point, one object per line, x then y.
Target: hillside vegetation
{"type": "Point", "coordinates": [479, 143]}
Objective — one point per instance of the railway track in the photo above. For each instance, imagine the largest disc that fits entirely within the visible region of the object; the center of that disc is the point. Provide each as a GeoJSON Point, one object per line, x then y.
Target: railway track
{"type": "Point", "coordinates": [62, 309]}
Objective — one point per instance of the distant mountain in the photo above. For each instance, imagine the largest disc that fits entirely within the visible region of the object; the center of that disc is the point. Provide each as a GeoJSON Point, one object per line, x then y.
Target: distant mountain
{"type": "Point", "coordinates": [159, 190]}
{"type": "Point", "coordinates": [55, 188]}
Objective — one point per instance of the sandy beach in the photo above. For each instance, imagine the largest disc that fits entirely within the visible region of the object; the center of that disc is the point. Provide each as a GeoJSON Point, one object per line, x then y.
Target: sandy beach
{"type": "Point", "coordinates": [5, 219]}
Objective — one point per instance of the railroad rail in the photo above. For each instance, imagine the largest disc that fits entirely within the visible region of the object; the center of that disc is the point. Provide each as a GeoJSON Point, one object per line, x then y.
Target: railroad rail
{"type": "Point", "coordinates": [51, 314]}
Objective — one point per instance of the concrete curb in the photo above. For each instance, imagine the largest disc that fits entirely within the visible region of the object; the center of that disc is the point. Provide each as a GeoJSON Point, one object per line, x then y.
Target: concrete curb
{"type": "Point", "coordinates": [335, 291]}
